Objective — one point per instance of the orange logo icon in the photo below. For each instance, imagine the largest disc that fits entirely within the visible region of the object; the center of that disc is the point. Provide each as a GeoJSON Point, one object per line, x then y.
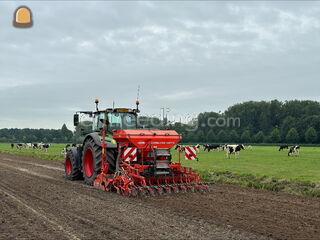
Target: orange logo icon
{"type": "Point", "coordinates": [22, 17]}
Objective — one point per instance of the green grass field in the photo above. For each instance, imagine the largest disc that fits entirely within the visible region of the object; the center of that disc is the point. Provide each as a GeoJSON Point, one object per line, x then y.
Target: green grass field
{"type": "Point", "coordinates": [263, 161]}
{"type": "Point", "coordinates": [261, 167]}
{"type": "Point", "coordinates": [54, 152]}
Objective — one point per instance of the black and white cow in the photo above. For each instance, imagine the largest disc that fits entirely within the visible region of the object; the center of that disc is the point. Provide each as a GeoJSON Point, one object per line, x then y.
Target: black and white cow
{"type": "Point", "coordinates": [65, 149]}
{"type": "Point", "coordinates": [20, 145]}
{"type": "Point", "coordinates": [179, 148]}
{"type": "Point", "coordinates": [294, 150]}
{"type": "Point", "coordinates": [43, 146]}
{"type": "Point", "coordinates": [248, 147]}
{"type": "Point", "coordinates": [233, 149]}
{"type": "Point", "coordinates": [197, 148]}
{"type": "Point", "coordinates": [281, 147]}
{"type": "Point", "coordinates": [208, 147]}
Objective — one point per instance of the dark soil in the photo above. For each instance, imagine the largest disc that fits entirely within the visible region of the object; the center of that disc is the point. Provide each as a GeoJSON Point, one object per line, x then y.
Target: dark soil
{"type": "Point", "coordinates": [38, 203]}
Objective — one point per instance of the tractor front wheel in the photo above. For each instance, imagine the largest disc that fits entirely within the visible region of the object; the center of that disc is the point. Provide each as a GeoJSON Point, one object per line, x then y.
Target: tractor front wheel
{"type": "Point", "coordinates": [72, 165]}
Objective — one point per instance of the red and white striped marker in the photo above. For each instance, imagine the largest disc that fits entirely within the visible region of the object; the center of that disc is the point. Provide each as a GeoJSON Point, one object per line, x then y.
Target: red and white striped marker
{"type": "Point", "coordinates": [130, 154]}
{"type": "Point", "coordinates": [190, 153]}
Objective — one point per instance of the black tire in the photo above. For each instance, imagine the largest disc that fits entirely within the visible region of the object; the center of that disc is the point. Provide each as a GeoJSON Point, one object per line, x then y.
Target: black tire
{"type": "Point", "coordinates": [72, 165]}
{"type": "Point", "coordinates": [91, 169]}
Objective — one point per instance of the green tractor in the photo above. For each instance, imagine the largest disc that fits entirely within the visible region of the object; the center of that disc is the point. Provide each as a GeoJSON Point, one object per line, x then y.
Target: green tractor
{"type": "Point", "coordinates": [88, 138]}
{"type": "Point", "coordinates": [112, 154]}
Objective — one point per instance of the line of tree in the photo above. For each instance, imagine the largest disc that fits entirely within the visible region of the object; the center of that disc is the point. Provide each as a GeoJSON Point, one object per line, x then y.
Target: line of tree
{"type": "Point", "coordinates": [27, 135]}
{"type": "Point", "coordinates": [259, 122]}
{"type": "Point", "coordinates": [254, 122]}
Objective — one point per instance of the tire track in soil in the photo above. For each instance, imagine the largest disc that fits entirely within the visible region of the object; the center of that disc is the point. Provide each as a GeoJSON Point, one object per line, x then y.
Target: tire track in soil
{"type": "Point", "coordinates": [242, 213]}
{"type": "Point", "coordinates": [91, 213]}
{"type": "Point", "coordinates": [16, 222]}
{"type": "Point", "coordinates": [34, 164]}
{"type": "Point", "coordinates": [257, 217]}
{"type": "Point", "coordinates": [38, 214]}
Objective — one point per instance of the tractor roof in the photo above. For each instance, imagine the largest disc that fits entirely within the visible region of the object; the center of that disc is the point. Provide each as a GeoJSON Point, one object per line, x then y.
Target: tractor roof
{"type": "Point", "coordinates": [111, 110]}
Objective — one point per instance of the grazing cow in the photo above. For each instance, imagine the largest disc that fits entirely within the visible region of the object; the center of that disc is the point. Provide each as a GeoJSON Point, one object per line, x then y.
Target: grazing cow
{"type": "Point", "coordinates": [249, 147]}
{"type": "Point", "coordinates": [20, 145]}
{"type": "Point", "coordinates": [72, 145]}
{"type": "Point", "coordinates": [179, 148]}
{"type": "Point", "coordinates": [45, 147]}
{"type": "Point", "coordinates": [281, 147]}
{"type": "Point", "coordinates": [233, 149]}
{"type": "Point", "coordinates": [294, 151]}
{"type": "Point", "coordinates": [28, 145]}
{"type": "Point", "coordinates": [209, 147]}
{"type": "Point", "coordinates": [12, 145]}
{"type": "Point", "coordinates": [35, 145]}
{"type": "Point", "coordinates": [65, 149]}
{"type": "Point", "coordinates": [197, 148]}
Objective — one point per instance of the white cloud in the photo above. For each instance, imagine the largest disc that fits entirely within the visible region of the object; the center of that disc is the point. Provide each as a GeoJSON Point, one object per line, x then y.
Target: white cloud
{"type": "Point", "coordinates": [66, 39]}
{"type": "Point", "coordinates": [86, 45]}
{"type": "Point", "coordinates": [181, 95]}
{"type": "Point", "coordinates": [6, 84]}
{"type": "Point", "coordinates": [181, 54]}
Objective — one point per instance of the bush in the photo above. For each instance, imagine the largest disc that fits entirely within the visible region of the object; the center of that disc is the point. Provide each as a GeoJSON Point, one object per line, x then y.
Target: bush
{"type": "Point", "coordinates": [222, 136]}
{"type": "Point", "coordinates": [259, 137]}
{"type": "Point", "coordinates": [275, 136]}
{"type": "Point", "coordinates": [292, 136]}
{"type": "Point", "coordinates": [233, 136]}
{"type": "Point", "coordinates": [246, 136]}
{"type": "Point", "coordinates": [311, 135]}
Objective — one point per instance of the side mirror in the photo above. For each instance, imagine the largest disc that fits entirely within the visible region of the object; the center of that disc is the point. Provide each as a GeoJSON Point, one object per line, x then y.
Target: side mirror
{"type": "Point", "coordinates": [76, 120]}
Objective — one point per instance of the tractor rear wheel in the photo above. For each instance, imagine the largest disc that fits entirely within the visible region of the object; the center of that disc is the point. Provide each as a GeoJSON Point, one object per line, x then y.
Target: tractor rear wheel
{"type": "Point", "coordinates": [72, 165]}
{"type": "Point", "coordinates": [91, 160]}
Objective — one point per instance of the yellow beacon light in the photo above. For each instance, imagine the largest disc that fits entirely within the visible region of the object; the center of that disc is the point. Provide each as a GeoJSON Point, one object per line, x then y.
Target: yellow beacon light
{"type": "Point", "coordinates": [22, 17]}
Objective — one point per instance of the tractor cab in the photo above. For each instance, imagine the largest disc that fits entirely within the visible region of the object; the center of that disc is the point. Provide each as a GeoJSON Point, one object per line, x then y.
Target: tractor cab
{"type": "Point", "coordinates": [87, 122]}
{"type": "Point", "coordinates": [115, 119]}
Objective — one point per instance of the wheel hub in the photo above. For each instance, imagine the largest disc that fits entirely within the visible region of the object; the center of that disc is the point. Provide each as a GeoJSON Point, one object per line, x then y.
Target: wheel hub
{"type": "Point", "coordinates": [88, 163]}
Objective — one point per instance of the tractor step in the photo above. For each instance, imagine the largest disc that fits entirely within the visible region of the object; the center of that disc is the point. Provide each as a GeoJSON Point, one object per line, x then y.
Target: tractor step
{"type": "Point", "coordinates": [161, 172]}
{"type": "Point", "coordinates": [162, 164]}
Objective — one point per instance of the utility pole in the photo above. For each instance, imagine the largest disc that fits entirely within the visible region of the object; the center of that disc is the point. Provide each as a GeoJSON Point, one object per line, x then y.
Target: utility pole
{"type": "Point", "coordinates": [164, 116]}
{"type": "Point", "coordinates": [162, 109]}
